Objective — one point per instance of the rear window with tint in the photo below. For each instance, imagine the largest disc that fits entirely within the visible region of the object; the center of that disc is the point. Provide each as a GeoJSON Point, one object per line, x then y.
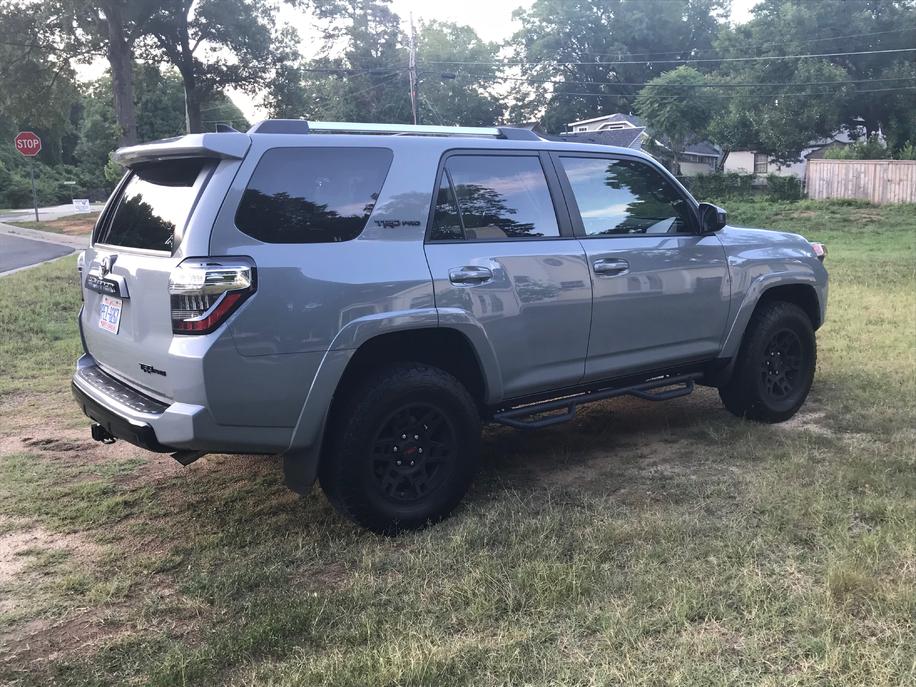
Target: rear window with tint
{"type": "Point", "coordinates": [312, 195]}
{"type": "Point", "coordinates": [154, 205]}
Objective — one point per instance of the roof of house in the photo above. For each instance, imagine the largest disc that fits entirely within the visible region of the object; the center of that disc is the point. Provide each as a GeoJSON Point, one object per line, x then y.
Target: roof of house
{"type": "Point", "coordinates": [618, 137]}
{"type": "Point", "coordinates": [625, 138]}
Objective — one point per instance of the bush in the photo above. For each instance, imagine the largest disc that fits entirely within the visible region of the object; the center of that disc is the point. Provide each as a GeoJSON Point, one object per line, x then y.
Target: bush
{"type": "Point", "coordinates": [720, 185]}
{"type": "Point", "coordinates": [870, 149]}
{"type": "Point", "coordinates": [784, 188]}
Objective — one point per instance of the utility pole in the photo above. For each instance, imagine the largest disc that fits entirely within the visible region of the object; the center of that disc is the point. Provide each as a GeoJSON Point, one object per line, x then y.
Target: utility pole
{"type": "Point", "coordinates": [412, 70]}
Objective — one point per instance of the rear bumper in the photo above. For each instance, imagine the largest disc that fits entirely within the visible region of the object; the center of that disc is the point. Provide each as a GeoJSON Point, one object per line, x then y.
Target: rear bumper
{"type": "Point", "coordinates": [138, 434]}
{"type": "Point", "coordinates": [164, 427]}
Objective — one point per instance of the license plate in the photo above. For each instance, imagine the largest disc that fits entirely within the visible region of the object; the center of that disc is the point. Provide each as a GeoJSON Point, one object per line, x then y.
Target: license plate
{"type": "Point", "coordinates": [110, 314]}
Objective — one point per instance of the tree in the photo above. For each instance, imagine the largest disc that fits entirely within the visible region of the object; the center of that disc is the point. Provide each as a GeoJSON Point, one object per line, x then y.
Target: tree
{"type": "Point", "coordinates": [456, 98]}
{"type": "Point", "coordinates": [676, 110]}
{"type": "Point", "coordinates": [878, 93]}
{"type": "Point", "coordinates": [780, 120]}
{"type": "Point", "coordinates": [360, 74]}
{"type": "Point", "coordinates": [212, 44]}
{"type": "Point", "coordinates": [578, 53]}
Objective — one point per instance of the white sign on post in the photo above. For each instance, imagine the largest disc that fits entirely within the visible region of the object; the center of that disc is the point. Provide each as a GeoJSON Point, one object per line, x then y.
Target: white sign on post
{"type": "Point", "coordinates": [81, 205]}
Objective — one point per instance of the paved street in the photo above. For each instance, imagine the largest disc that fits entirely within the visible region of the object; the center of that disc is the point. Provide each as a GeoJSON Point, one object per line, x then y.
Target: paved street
{"type": "Point", "coordinates": [18, 252]}
{"type": "Point", "coordinates": [44, 214]}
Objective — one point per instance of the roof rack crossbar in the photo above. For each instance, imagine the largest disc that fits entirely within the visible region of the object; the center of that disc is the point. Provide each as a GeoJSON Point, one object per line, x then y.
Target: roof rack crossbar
{"type": "Point", "coordinates": [301, 126]}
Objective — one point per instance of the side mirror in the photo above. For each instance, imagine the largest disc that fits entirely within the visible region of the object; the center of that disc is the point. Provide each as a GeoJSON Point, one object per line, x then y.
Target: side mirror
{"type": "Point", "coordinates": [712, 218]}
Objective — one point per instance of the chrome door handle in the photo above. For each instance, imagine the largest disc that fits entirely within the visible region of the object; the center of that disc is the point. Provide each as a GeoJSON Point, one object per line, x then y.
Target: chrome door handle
{"type": "Point", "coordinates": [469, 275]}
{"type": "Point", "coordinates": [608, 267]}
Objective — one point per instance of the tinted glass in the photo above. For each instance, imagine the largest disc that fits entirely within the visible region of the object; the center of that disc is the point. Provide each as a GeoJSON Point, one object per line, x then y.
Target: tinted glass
{"type": "Point", "coordinates": [500, 197]}
{"type": "Point", "coordinates": [446, 223]}
{"type": "Point", "coordinates": [312, 195]}
{"type": "Point", "coordinates": [154, 205]}
{"type": "Point", "coordinates": [625, 197]}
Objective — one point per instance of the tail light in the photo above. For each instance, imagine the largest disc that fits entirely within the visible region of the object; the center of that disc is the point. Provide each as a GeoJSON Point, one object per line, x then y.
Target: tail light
{"type": "Point", "coordinates": [820, 250]}
{"type": "Point", "coordinates": [204, 292]}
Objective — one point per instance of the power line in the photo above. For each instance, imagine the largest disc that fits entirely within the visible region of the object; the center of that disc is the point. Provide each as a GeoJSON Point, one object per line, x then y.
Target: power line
{"type": "Point", "coordinates": [684, 60]}
{"type": "Point", "coordinates": [753, 46]}
{"type": "Point", "coordinates": [697, 85]}
{"type": "Point", "coordinates": [744, 95]}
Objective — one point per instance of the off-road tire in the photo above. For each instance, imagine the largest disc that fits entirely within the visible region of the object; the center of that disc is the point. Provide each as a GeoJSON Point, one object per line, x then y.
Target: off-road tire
{"type": "Point", "coordinates": [359, 473]}
{"type": "Point", "coordinates": [775, 364]}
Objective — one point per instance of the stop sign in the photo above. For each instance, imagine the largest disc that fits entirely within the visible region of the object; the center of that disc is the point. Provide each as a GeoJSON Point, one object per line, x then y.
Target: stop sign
{"type": "Point", "coordinates": [28, 143]}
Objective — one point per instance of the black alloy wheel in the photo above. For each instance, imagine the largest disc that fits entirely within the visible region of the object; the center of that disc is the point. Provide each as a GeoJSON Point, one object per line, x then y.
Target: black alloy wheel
{"type": "Point", "coordinates": [413, 452]}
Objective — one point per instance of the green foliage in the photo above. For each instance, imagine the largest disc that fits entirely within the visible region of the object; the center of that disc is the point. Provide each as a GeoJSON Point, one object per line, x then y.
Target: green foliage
{"type": "Point", "coordinates": [675, 109]}
{"type": "Point", "coordinates": [457, 98]}
{"type": "Point", "coordinates": [907, 152]}
{"type": "Point", "coordinates": [576, 43]}
{"type": "Point", "coordinates": [784, 187]}
{"type": "Point", "coordinates": [869, 149]}
{"type": "Point", "coordinates": [720, 185]}
{"type": "Point", "coordinates": [804, 105]}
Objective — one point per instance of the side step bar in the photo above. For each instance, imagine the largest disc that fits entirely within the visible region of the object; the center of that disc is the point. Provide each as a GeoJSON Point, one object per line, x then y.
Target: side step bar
{"type": "Point", "coordinates": [659, 389]}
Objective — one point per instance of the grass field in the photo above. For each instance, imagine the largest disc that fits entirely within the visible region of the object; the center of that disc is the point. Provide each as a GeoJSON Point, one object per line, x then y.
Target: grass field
{"type": "Point", "coordinates": [75, 225]}
{"type": "Point", "coordinates": [643, 544]}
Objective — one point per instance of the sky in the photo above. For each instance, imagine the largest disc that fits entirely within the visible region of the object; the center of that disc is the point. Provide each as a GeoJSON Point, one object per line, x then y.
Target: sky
{"type": "Point", "coordinates": [491, 19]}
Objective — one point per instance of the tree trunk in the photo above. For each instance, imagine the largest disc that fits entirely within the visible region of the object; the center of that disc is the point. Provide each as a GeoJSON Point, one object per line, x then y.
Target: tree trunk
{"type": "Point", "coordinates": [192, 102]}
{"type": "Point", "coordinates": [122, 76]}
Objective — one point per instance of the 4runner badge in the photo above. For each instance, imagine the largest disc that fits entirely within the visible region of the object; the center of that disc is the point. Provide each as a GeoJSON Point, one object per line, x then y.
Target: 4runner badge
{"type": "Point", "coordinates": [150, 370]}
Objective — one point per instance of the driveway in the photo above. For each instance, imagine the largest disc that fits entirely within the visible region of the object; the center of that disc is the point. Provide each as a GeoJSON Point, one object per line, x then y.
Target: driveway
{"type": "Point", "coordinates": [16, 252]}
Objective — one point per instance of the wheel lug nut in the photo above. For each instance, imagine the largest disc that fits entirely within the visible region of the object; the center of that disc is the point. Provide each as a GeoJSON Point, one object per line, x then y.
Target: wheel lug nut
{"type": "Point", "coordinates": [403, 436]}
{"type": "Point", "coordinates": [419, 450]}
{"type": "Point", "coordinates": [411, 462]}
{"type": "Point", "coordinates": [395, 449]}
{"type": "Point", "coordinates": [398, 463]}
{"type": "Point", "coordinates": [416, 437]}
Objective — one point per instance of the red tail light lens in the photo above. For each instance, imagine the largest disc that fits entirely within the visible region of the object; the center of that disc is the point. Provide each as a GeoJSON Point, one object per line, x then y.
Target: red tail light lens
{"type": "Point", "coordinates": [820, 250]}
{"type": "Point", "coordinates": [204, 292]}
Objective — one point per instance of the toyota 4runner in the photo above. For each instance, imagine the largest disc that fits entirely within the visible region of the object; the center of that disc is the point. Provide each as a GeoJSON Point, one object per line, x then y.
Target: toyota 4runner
{"type": "Point", "coordinates": [361, 297]}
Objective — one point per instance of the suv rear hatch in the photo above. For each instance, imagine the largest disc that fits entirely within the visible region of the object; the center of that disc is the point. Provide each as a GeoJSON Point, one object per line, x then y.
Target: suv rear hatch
{"type": "Point", "coordinates": [154, 220]}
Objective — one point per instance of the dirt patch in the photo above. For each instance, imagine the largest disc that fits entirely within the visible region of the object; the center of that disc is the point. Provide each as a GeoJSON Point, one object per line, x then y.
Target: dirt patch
{"type": "Point", "coordinates": [56, 445]}
{"type": "Point", "coordinates": [19, 541]}
{"type": "Point", "coordinates": [810, 420]}
{"type": "Point", "coordinates": [72, 225]}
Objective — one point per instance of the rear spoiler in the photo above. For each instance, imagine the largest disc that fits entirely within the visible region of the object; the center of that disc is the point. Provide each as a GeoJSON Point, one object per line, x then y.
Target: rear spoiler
{"type": "Point", "coordinates": [218, 145]}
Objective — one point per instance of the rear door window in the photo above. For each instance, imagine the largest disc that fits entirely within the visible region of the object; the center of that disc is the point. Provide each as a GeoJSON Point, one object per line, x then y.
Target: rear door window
{"type": "Point", "coordinates": [312, 195]}
{"type": "Point", "coordinates": [494, 197]}
{"type": "Point", "coordinates": [154, 205]}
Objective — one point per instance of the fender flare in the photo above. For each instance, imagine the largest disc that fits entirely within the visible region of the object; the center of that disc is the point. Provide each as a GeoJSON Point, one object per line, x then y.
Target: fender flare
{"type": "Point", "coordinates": [302, 456]}
{"type": "Point", "coordinates": [755, 291]}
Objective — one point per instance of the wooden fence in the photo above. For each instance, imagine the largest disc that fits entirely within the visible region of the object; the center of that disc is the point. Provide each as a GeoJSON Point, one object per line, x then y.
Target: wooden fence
{"type": "Point", "coordinates": [877, 181]}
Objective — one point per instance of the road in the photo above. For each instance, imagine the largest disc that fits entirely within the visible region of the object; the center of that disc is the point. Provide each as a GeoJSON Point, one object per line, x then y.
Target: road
{"type": "Point", "coordinates": [16, 252]}
{"type": "Point", "coordinates": [48, 213]}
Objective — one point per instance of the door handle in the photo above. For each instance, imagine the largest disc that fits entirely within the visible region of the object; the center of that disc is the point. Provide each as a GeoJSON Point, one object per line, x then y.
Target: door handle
{"type": "Point", "coordinates": [469, 275]}
{"type": "Point", "coordinates": [609, 267]}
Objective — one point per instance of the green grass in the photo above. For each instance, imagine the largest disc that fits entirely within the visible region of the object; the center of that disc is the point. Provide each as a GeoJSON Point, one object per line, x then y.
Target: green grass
{"type": "Point", "coordinates": [643, 544]}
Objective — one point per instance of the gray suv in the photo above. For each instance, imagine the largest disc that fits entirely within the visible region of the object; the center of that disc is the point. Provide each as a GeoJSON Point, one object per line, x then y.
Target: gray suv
{"type": "Point", "coordinates": [360, 298]}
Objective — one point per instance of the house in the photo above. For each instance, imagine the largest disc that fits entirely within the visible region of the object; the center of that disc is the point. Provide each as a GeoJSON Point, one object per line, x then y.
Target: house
{"type": "Point", "coordinates": [628, 131]}
{"type": "Point", "coordinates": [752, 162]}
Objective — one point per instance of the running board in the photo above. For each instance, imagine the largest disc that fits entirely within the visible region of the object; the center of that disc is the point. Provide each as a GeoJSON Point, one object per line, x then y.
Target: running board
{"type": "Point", "coordinates": [659, 389]}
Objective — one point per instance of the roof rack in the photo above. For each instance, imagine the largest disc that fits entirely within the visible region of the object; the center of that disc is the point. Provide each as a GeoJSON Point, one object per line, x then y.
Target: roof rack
{"type": "Point", "coordinates": [301, 126]}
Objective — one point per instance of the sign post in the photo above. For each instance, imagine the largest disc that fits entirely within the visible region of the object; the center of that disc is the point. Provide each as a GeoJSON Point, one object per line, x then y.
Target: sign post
{"type": "Point", "coordinates": [29, 145]}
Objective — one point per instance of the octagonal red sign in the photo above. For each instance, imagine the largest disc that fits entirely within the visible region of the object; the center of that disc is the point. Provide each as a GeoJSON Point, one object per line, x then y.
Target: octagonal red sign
{"type": "Point", "coordinates": [28, 143]}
